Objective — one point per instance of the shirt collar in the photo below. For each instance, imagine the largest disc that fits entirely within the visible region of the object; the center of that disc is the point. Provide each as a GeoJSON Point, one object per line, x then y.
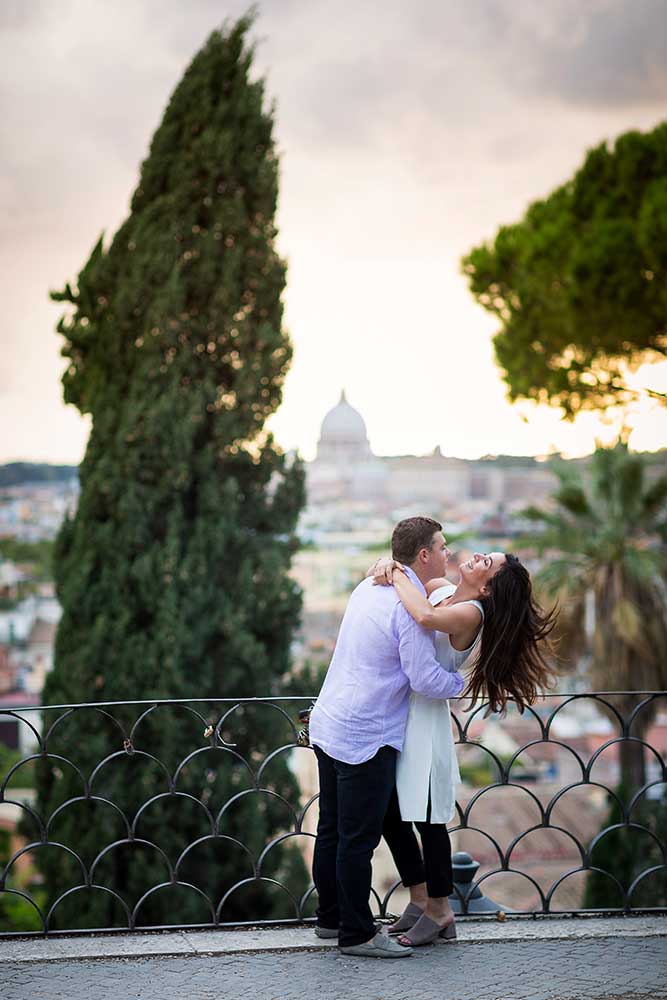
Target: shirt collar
{"type": "Point", "coordinates": [411, 575]}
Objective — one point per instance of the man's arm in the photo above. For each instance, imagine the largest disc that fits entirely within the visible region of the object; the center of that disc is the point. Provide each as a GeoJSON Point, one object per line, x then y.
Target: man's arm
{"type": "Point", "coordinates": [419, 663]}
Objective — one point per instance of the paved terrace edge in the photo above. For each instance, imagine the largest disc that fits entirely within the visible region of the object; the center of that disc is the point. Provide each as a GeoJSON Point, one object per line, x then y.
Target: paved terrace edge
{"type": "Point", "coordinates": [295, 939]}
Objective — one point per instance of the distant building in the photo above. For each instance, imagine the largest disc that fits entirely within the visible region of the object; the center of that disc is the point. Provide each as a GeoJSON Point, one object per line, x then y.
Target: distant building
{"type": "Point", "coordinates": [11, 578]}
{"type": "Point", "coordinates": [345, 467]}
{"type": "Point", "coordinates": [346, 470]}
{"type": "Point", "coordinates": [27, 635]}
{"type": "Point", "coordinates": [7, 669]}
{"type": "Point", "coordinates": [31, 511]}
{"type": "Point", "coordinates": [37, 660]}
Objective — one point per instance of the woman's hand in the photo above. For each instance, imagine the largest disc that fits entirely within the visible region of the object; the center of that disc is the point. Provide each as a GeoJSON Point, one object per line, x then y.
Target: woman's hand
{"type": "Point", "coordinates": [383, 571]}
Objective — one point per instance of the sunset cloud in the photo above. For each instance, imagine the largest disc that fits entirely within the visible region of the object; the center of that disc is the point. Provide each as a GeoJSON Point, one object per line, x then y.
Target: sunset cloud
{"type": "Point", "coordinates": [408, 133]}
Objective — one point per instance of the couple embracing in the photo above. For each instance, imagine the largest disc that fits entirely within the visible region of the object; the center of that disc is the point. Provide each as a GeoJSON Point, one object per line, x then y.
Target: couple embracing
{"type": "Point", "coordinates": [381, 727]}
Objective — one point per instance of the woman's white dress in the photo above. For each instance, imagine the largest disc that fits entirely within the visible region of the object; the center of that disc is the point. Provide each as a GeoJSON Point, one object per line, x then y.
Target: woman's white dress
{"type": "Point", "coordinates": [428, 759]}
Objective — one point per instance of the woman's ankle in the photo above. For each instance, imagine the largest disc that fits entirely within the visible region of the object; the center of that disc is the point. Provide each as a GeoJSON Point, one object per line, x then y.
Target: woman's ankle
{"type": "Point", "coordinates": [439, 909]}
{"type": "Point", "coordinates": [419, 896]}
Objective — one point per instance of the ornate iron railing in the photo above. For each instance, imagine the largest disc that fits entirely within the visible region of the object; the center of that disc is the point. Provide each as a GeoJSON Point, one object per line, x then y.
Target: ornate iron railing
{"type": "Point", "coordinates": [541, 808]}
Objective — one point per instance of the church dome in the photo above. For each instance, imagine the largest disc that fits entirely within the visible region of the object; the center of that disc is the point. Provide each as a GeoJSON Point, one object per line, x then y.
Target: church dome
{"type": "Point", "coordinates": [343, 421]}
{"type": "Point", "coordinates": [343, 435]}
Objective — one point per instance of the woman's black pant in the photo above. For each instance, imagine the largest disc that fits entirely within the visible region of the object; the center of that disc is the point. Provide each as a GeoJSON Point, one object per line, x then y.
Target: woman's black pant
{"type": "Point", "coordinates": [435, 867]}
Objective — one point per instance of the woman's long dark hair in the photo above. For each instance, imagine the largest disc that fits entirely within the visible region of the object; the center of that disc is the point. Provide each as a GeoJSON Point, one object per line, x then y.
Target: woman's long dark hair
{"type": "Point", "coordinates": [512, 660]}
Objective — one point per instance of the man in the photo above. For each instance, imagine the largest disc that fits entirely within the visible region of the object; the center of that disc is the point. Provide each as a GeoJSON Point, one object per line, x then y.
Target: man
{"type": "Point", "coordinates": [358, 725]}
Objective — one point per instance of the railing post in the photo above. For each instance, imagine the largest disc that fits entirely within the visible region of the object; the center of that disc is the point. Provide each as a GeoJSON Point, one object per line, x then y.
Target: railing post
{"type": "Point", "coordinates": [465, 869]}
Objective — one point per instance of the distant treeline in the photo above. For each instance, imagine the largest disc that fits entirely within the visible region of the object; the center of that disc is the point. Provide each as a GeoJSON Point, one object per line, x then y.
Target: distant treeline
{"type": "Point", "coordinates": [39, 555]}
{"type": "Point", "coordinates": [509, 461]}
{"type": "Point", "coordinates": [18, 473]}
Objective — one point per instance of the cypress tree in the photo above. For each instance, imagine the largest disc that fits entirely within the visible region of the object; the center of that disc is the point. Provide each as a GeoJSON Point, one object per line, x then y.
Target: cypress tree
{"type": "Point", "coordinates": [173, 572]}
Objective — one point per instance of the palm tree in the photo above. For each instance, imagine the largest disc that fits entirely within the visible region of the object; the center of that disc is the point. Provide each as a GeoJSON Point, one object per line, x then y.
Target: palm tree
{"type": "Point", "coordinates": [606, 541]}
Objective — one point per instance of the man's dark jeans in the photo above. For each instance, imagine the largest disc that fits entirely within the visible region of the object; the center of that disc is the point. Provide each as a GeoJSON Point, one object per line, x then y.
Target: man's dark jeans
{"type": "Point", "coordinates": [353, 802]}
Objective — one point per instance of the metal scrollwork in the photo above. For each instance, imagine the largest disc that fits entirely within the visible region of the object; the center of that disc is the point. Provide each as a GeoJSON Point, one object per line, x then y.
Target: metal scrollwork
{"type": "Point", "coordinates": [223, 728]}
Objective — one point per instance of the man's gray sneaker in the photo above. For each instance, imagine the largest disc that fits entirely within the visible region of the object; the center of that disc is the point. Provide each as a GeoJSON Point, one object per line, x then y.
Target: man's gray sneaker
{"type": "Point", "coordinates": [381, 946]}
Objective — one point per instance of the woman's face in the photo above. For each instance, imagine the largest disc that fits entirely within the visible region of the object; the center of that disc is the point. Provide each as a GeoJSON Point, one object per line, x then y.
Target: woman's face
{"type": "Point", "coordinates": [480, 568]}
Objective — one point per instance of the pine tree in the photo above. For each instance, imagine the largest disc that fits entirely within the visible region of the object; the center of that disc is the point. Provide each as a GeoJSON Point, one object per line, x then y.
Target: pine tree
{"type": "Point", "coordinates": [577, 284]}
{"type": "Point", "coordinates": [173, 572]}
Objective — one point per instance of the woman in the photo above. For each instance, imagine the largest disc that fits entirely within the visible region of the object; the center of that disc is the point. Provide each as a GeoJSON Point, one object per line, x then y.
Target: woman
{"type": "Point", "coordinates": [492, 608]}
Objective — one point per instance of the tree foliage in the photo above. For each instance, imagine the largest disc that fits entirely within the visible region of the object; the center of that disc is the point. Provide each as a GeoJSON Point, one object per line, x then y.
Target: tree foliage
{"type": "Point", "coordinates": [579, 283]}
{"type": "Point", "coordinates": [38, 555]}
{"type": "Point", "coordinates": [173, 573]}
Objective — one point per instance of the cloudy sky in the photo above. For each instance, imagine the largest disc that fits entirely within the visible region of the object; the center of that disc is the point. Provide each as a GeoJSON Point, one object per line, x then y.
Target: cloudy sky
{"type": "Point", "coordinates": [409, 130]}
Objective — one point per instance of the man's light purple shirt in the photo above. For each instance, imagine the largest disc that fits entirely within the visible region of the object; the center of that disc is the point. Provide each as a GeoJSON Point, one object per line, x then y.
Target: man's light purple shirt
{"type": "Point", "coordinates": [381, 654]}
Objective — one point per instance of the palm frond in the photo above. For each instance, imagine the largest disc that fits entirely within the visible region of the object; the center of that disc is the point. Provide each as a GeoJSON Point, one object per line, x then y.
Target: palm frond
{"type": "Point", "coordinates": [602, 545]}
{"type": "Point", "coordinates": [645, 566]}
{"type": "Point", "coordinates": [571, 496]}
{"type": "Point", "coordinates": [654, 500]}
{"type": "Point", "coordinates": [565, 578]}
{"type": "Point", "coordinates": [628, 485]}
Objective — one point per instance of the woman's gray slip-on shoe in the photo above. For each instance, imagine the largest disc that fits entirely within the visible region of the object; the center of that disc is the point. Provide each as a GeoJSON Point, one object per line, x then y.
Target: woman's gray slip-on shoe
{"type": "Point", "coordinates": [381, 946]}
{"type": "Point", "coordinates": [425, 931]}
{"type": "Point", "coordinates": [326, 932]}
{"type": "Point", "coordinates": [408, 919]}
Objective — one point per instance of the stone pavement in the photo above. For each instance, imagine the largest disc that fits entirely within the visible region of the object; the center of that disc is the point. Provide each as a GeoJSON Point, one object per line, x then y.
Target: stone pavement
{"type": "Point", "coordinates": [546, 960]}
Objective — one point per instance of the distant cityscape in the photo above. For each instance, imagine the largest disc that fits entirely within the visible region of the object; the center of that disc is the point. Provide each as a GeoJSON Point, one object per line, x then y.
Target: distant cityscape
{"type": "Point", "coordinates": [355, 496]}
{"type": "Point", "coordinates": [353, 499]}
